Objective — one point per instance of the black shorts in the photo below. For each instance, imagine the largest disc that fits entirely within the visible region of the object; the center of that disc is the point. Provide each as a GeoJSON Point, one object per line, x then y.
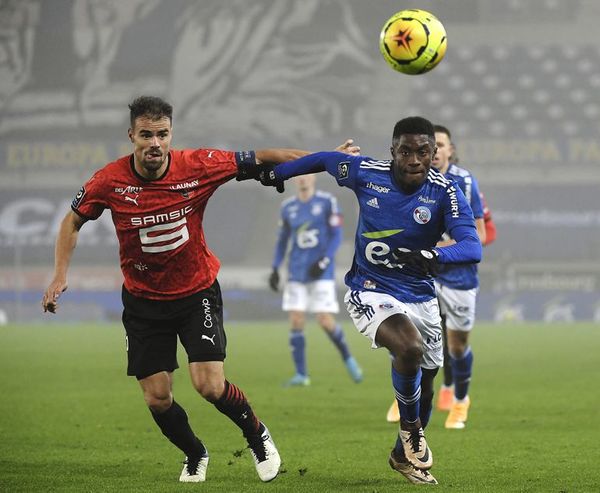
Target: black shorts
{"type": "Point", "coordinates": [152, 327]}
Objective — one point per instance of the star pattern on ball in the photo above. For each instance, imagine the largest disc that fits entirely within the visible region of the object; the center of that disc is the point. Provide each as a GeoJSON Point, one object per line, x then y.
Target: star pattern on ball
{"type": "Point", "coordinates": [403, 38]}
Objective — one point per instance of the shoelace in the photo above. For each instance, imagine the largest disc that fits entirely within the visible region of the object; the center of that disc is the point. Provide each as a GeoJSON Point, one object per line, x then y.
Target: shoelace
{"type": "Point", "coordinates": [256, 444]}
{"type": "Point", "coordinates": [414, 439]}
{"type": "Point", "coordinates": [191, 465]}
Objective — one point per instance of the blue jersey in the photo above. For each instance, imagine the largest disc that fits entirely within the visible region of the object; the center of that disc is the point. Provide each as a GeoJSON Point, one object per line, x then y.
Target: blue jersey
{"type": "Point", "coordinates": [462, 276]}
{"type": "Point", "coordinates": [390, 218]}
{"type": "Point", "coordinates": [315, 230]}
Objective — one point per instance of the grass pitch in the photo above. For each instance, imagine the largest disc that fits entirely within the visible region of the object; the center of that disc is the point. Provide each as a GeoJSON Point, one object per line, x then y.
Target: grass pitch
{"type": "Point", "coordinates": [70, 420]}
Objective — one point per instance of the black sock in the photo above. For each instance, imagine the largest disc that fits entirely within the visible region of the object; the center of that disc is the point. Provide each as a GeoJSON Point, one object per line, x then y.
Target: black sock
{"type": "Point", "coordinates": [175, 426]}
{"type": "Point", "coordinates": [426, 395]}
{"type": "Point", "coordinates": [234, 405]}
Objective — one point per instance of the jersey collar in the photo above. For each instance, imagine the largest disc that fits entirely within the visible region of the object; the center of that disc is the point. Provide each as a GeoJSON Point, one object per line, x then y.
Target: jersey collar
{"type": "Point", "coordinates": [140, 177]}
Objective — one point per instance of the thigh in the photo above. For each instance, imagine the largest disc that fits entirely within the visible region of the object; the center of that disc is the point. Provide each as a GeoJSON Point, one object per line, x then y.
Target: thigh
{"type": "Point", "coordinates": [426, 317]}
{"type": "Point", "coordinates": [151, 345]}
{"type": "Point", "coordinates": [458, 307]}
{"type": "Point", "coordinates": [322, 297]}
{"type": "Point", "coordinates": [368, 310]}
{"type": "Point", "coordinates": [295, 297]}
{"type": "Point", "coordinates": [201, 329]}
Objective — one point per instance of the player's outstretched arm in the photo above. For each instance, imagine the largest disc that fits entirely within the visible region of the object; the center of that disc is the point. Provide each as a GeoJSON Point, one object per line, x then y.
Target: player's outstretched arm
{"type": "Point", "coordinates": [278, 156]}
{"type": "Point", "coordinates": [65, 244]}
{"type": "Point", "coordinates": [267, 173]}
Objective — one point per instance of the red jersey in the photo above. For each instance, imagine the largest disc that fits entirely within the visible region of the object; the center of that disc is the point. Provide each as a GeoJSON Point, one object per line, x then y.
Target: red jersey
{"type": "Point", "coordinates": [162, 248]}
{"type": "Point", "coordinates": [490, 226]}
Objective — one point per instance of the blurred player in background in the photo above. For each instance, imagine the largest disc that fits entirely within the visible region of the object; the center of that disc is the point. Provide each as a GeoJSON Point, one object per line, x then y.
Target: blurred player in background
{"type": "Point", "coordinates": [313, 221]}
{"type": "Point", "coordinates": [405, 206]}
{"type": "Point", "coordinates": [157, 197]}
{"type": "Point", "coordinates": [456, 283]}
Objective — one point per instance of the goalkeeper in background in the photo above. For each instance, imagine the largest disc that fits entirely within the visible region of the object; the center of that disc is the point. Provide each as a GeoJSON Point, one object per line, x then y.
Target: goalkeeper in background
{"type": "Point", "coordinates": [313, 222]}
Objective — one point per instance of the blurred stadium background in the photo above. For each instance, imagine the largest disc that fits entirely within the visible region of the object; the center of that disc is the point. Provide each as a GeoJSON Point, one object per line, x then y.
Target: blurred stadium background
{"type": "Point", "coordinates": [522, 103]}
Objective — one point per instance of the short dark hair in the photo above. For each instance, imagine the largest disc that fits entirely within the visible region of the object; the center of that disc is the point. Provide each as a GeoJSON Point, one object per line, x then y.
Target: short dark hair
{"type": "Point", "coordinates": [443, 130]}
{"type": "Point", "coordinates": [415, 125]}
{"type": "Point", "coordinates": [150, 106]}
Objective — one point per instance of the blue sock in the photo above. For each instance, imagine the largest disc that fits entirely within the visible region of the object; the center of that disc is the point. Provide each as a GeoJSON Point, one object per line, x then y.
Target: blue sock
{"type": "Point", "coordinates": [298, 344]}
{"type": "Point", "coordinates": [337, 337]}
{"type": "Point", "coordinates": [461, 369]}
{"type": "Point", "coordinates": [408, 394]}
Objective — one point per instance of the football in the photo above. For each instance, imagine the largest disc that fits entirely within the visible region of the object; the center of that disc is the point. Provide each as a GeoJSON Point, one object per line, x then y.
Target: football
{"type": "Point", "coordinates": [413, 41]}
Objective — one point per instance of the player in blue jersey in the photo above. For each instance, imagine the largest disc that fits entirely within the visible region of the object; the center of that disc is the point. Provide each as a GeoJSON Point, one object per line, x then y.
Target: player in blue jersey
{"type": "Point", "coordinates": [457, 287]}
{"type": "Point", "coordinates": [405, 207]}
{"type": "Point", "coordinates": [313, 222]}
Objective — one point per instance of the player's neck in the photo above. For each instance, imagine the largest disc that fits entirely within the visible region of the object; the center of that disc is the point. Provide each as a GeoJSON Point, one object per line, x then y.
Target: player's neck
{"type": "Point", "coordinates": [443, 169]}
{"type": "Point", "coordinates": [150, 175]}
{"type": "Point", "coordinates": [305, 195]}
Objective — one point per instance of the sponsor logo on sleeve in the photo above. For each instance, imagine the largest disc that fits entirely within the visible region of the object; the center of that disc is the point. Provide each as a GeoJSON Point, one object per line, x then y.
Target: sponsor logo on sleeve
{"type": "Point", "coordinates": [453, 202]}
{"type": "Point", "coordinates": [343, 170]}
{"type": "Point", "coordinates": [335, 220]}
{"type": "Point", "coordinates": [78, 198]}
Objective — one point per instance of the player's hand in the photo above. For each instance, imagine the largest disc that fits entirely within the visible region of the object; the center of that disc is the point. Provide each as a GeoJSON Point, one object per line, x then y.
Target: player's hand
{"type": "Point", "coordinates": [247, 173]}
{"type": "Point", "coordinates": [348, 147]}
{"type": "Point", "coordinates": [316, 270]}
{"type": "Point", "coordinates": [247, 170]}
{"type": "Point", "coordinates": [50, 299]}
{"type": "Point", "coordinates": [424, 261]}
{"type": "Point", "coordinates": [274, 280]}
{"type": "Point", "coordinates": [266, 176]}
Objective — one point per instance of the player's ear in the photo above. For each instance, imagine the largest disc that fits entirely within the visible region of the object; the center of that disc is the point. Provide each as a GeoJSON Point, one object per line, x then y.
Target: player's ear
{"type": "Point", "coordinates": [392, 151]}
{"type": "Point", "coordinates": [130, 134]}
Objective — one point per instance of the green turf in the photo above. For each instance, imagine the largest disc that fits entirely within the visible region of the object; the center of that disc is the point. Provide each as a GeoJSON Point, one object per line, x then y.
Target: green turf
{"type": "Point", "coordinates": [71, 421]}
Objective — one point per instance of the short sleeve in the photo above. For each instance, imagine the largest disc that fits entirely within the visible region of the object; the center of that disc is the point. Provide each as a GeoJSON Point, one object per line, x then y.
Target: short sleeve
{"type": "Point", "coordinates": [90, 201]}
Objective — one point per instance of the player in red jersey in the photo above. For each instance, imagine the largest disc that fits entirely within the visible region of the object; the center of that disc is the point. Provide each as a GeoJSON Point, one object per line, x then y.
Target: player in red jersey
{"type": "Point", "coordinates": [157, 196]}
{"type": "Point", "coordinates": [490, 226]}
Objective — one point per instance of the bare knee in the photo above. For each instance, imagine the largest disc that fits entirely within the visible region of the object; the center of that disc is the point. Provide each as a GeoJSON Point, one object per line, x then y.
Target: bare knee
{"type": "Point", "coordinates": [326, 320]}
{"type": "Point", "coordinates": [297, 320]}
{"type": "Point", "coordinates": [158, 401]}
{"type": "Point", "coordinates": [410, 353]}
{"type": "Point", "coordinates": [157, 391]}
{"type": "Point", "coordinates": [457, 343]}
{"type": "Point", "coordinates": [211, 390]}
{"type": "Point", "coordinates": [401, 337]}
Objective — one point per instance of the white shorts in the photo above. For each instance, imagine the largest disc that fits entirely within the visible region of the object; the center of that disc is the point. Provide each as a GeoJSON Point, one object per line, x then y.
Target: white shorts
{"type": "Point", "coordinates": [458, 306]}
{"type": "Point", "coordinates": [315, 297]}
{"type": "Point", "coordinates": [369, 310]}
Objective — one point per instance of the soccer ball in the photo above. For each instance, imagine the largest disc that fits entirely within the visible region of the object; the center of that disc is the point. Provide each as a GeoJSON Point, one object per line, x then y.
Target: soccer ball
{"type": "Point", "coordinates": [413, 41]}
